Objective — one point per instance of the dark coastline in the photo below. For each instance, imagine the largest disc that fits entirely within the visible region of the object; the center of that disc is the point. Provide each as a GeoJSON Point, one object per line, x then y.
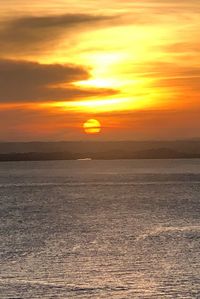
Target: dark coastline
{"type": "Point", "coordinates": [99, 150]}
{"type": "Point", "coordinates": [96, 156]}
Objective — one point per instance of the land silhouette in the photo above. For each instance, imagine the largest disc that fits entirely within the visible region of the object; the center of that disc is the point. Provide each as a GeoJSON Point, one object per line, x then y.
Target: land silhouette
{"type": "Point", "coordinates": [66, 150]}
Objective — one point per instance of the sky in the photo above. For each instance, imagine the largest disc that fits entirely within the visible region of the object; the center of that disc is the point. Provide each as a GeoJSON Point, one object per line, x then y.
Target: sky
{"type": "Point", "coordinates": [134, 66]}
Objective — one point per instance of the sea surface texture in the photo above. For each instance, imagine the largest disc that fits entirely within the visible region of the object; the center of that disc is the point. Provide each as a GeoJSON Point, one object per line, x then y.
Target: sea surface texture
{"type": "Point", "coordinates": [100, 229]}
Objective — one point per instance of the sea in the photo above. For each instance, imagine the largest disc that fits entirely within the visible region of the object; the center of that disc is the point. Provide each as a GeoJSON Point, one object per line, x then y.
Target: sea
{"type": "Point", "coordinates": [100, 229]}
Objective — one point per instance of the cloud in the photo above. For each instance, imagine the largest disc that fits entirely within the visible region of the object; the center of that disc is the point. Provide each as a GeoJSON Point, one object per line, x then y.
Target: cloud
{"type": "Point", "coordinates": [34, 33]}
{"type": "Point", "coordinates": [184, 78]}
{"type": "Point", "coordinates": [170, 75]}
{"type": "Point", "coordinates": [23, 81]}
{"type": "Point", "coordinates": [30, 34]}
{"type": "Point", "coordinates": [161, 7]}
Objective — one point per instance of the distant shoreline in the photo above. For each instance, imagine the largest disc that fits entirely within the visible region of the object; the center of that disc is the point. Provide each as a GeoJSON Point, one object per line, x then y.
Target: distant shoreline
{"type": "Point", "coordinates": [96, 150]}
{"type": "Point", "coordinates": [17, 157]}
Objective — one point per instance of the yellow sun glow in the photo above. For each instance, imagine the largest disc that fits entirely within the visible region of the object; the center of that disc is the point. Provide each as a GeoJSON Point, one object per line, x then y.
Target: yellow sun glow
{"type": "Point", "coordinates": [92, 126]}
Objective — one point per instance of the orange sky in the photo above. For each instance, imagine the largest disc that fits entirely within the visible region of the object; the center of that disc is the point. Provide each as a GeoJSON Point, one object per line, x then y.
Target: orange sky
{"type": "Point", "coordinates": [132, 65]}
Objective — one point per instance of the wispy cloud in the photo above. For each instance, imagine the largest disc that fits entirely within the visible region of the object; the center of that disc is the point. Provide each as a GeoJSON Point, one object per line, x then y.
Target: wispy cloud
{"type": "Point", "coordinates": [35, 33]}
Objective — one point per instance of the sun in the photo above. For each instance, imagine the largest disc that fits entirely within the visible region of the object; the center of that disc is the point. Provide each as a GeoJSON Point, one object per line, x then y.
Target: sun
{"type": "Point", "coordinates": [92, 126]}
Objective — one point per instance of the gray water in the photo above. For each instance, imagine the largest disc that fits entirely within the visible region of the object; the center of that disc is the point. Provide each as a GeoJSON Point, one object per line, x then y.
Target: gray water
{"type": "Point", "coordinates": [100, 229]}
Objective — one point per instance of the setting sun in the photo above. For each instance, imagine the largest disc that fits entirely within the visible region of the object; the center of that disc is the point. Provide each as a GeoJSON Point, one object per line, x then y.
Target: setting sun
{"type": "Point", "coordinates": [92, 126]}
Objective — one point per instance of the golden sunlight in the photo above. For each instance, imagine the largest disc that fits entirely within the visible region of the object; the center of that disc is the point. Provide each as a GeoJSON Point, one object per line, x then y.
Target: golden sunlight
{"type": "Point", "coordinates": [92, 126]}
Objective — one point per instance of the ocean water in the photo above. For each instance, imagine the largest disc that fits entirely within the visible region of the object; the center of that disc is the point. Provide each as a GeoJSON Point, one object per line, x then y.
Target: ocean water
{"type": "Point", "coordinates": [100, 229]}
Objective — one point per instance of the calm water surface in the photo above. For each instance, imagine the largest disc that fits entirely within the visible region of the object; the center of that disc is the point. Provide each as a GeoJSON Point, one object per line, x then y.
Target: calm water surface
{"type": "Point", "coordinates": [100, 229]}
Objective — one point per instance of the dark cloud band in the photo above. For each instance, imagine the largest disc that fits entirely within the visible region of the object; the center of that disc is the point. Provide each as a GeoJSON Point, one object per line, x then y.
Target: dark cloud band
{"type": "Point", "coordinates": [22, 81]}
